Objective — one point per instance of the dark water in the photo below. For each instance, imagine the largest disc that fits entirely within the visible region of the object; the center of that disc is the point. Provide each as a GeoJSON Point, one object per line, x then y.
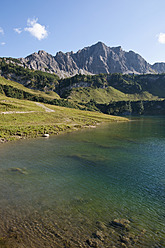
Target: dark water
{"type": "Point", "coordinates": [54, 192]}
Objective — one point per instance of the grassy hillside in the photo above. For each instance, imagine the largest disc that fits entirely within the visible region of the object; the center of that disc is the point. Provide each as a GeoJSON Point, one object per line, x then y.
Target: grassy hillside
{"type": "Point", "coordinates": [86, 92]}
{"type": "Point", "coordinates": [12, 104]}
{"type": "Point", "coordinates": [5, 82]}
{"type": "Point", "coordinates": [133, 108]}
{"type": "Point", "coordinates": [28, 119]}
{"type": "Point", "coordinates": [129, 85]}
{"type": "Point", "coordinates": [155, 84]}
{"type": "Point", "coordinates": [106, 95]}
{"type": "Point", "coordinates": [13, 70]}
{"type": "Point", "coordinates": [15, 90]}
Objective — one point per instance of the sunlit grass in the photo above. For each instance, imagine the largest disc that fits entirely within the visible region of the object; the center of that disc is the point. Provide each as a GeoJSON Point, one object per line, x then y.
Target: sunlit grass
{"type": "Point", "coordinates": [106, 95]}
{"type": "Point", "coordinates": [50, 95]}
{"type": "Point", "coordinates": [33, 124]}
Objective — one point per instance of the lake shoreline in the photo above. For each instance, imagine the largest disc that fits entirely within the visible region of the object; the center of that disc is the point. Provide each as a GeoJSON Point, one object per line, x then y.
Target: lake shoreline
{"type": "Point", "coordinates": [34, 132]}
{"type": "Point", "coordinates": [25, 119]}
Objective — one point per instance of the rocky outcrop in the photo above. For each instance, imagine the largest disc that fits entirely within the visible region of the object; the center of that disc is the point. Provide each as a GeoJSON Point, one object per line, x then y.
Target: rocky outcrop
{"type": "Point", "coordinates": [95, 59]}
{"type": "Point", "coordinates": [40, 61]}
{"type": "Point", "coordinates": [159, 67]}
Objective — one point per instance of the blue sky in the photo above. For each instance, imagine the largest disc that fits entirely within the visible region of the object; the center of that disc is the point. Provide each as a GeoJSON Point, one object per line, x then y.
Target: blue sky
{"type": "Point", "coordinates": [70, 25]}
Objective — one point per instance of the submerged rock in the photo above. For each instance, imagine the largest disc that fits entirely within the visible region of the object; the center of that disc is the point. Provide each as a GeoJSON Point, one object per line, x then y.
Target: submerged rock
{"type": "Point", "coordinates": [93, 243]}
{"type": "Point", "coordinates": [99, 235]}
{"type": "Point", "coordinates": [101, 225]}
{"type": "Point", "coordinates": [18, 170]}
{"type": "Point", "coordinates": [120, 223]}
{"type": "Point", "coordinates": [13, 229]}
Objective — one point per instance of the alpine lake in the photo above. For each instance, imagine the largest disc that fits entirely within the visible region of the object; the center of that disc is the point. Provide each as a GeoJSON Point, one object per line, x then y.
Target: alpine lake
{"type": "Point", "coordinates": [101, 187]}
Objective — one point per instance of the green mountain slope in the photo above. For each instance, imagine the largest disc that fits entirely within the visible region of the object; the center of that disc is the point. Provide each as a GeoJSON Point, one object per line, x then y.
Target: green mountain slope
{"type": "Point", "coordinates": [127, 84]}
{"type": "Point", "coordinates": [38, 80]}
{"type": "Point", "coordinates": [16, 90]}
{"type": "Point", "coordinates": [11, 87]}
{"type": "Point", "coordinates": [87, 92]}
{"type": "Point", "coordinates": [100, 95]}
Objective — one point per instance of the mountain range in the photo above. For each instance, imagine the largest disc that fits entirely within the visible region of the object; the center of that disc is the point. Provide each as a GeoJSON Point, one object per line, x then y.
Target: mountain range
{"type": "Point", "coordinates": [94, 59]}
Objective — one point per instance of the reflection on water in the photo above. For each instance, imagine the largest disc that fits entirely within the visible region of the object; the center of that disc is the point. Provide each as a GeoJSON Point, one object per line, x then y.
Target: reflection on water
{"type": "Point", "coordinates": [103, 187]}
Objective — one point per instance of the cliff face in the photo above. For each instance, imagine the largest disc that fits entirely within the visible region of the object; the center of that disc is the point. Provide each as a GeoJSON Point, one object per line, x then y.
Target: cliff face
{"type": "Point", "coordinates": [159, 67]}
{"type": "Point", "coordinates": [95, 59]}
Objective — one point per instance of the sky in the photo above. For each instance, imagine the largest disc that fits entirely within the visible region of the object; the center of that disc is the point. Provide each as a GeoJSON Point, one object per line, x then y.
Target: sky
{"type": "Point", "coordinates": [27, 26]}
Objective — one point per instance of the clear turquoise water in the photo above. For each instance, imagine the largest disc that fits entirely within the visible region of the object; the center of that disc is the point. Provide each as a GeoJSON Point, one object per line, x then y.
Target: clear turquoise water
{"type": "Point", "coordinates": [113, 171]}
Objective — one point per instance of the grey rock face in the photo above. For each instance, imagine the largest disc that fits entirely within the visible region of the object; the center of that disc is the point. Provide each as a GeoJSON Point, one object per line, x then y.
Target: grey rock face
{"type": "Point", "coordinates": [159, 67]}
{"type": "Point", "coordinates": [95, 59]}
{"type": "Point", "coordinates": [40, 61]}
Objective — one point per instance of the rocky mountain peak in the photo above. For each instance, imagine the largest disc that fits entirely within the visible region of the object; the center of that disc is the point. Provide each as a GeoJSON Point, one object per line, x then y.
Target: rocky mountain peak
{"type": "Point", "coordinates": [42, 52]}
{"type": "Point", "coordinates": [117, 49]}
{"type": "Point", "coordinates": [94, 59]}
{"type": "Point", "coordinates": [101, 45]}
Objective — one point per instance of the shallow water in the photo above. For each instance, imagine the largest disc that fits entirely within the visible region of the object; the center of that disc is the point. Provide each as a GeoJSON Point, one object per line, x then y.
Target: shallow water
{"type": "Point", "coordinates": [55, 192]}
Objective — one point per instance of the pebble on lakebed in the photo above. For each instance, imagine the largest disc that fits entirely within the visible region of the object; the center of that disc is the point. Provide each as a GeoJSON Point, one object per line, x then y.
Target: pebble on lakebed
{"type": "Point", "coordinates": [18, 170]}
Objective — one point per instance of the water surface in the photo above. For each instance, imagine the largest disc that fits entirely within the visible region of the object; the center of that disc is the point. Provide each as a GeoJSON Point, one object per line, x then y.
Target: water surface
{"type": "Point", "coordinates": [62, 191]}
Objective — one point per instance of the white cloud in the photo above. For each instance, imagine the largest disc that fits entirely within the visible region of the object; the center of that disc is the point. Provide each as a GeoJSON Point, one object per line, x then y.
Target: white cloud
{"type": "Point", "coordinates": [1, 31]}
{"type": "Point", "coordinates": [161, 38]}
{"type": "Point", "coordinates": [37, 30]}
{"type": "Point", "coordinates": [18, 30]}
{"type": "Point", "coordinates": [3, 43]}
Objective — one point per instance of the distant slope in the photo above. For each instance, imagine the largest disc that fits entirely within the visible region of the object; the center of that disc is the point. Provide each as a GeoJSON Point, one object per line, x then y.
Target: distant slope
{"type": "Point", "coordinates": [12, 69]}
{"type": "Point", "coordinates": [115, 87]}
{"type": "Point", "coordinates": [100, 95]}
{"type": "Point", "coordinates": [133, 108]}
{"type": "Point", "coordinates": [15, 90]}
{"type": "Point", "coordinates": [79, 90]}
{"type": "Point", "coordinates": [8, 87]}
{"type": "Point", "coordinates": [115, 94]}
{"type": "Point", "coordinates": [159, 67]}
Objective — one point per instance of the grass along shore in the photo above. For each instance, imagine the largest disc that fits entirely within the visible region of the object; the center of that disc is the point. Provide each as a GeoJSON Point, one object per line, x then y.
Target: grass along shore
{"type": "Point", "coordinates": [27, 119]}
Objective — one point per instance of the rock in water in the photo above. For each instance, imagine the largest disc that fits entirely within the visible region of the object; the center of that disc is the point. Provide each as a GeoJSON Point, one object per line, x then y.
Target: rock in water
{"type": "Point", "coordinates": [46, 135]}
{"type": "Point", "coordinates": [120, 223]}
